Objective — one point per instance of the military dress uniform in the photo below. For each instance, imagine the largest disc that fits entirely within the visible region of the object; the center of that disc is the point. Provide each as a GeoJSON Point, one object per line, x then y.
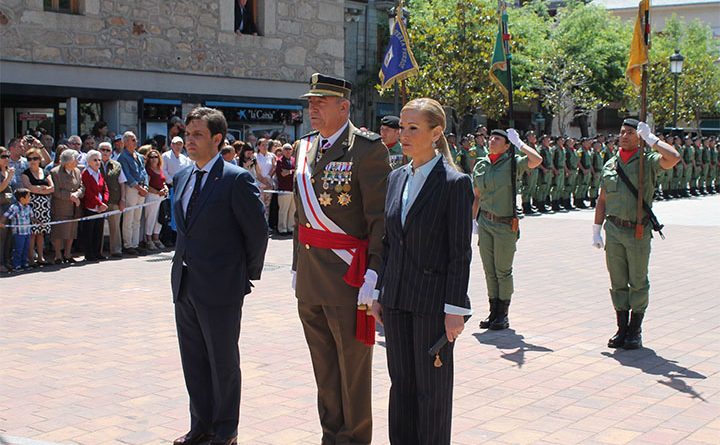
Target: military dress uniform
{"type": "Point", "coordinates": [339, 194]}
{"type": "Point", "coordinates": [626, 256]}
{"type": "Point", "coordinates": [497, 238]}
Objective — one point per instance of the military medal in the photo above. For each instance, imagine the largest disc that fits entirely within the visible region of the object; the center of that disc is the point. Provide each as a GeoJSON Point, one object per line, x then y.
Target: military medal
{"type": "Point", "coordinates": [325, 199]}
{"type": "Point", "coordinates": [344, 199]}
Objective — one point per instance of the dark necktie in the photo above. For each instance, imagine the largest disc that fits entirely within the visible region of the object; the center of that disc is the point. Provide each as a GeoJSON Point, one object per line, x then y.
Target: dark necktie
{"type": "Point", "coordinates": [195, 194]}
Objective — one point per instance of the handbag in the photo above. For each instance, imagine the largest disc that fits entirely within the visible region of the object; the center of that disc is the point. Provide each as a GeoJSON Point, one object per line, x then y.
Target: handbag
{"type": "Point", "coordinates": [164, 212]}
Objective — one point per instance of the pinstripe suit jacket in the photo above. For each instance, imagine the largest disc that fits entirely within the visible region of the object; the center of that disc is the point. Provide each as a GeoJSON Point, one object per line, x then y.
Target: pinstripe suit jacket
{"type": "Point", "coordinates": [426, 262]}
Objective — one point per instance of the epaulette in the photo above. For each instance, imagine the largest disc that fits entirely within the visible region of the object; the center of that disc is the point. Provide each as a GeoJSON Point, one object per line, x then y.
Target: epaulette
{"type": "Point", "coordinates": [369, 135]}
{"type": "Point", "coordinates": [312, 133]}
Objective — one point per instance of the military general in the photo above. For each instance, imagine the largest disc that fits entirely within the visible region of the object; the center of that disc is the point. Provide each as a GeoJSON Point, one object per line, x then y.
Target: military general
{"type": "Point", "coordinates": [341, 182]}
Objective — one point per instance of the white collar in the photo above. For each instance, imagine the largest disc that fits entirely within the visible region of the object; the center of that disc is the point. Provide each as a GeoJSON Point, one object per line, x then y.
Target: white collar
{"type": "Point", "coordinates": [207, 167]}
{"type": "Point", "coordinates": [334, 137]}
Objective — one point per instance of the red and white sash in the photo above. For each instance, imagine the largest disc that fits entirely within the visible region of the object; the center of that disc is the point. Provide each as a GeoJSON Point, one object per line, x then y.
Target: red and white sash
{"type": "Point", "coordinates": [313, 210]}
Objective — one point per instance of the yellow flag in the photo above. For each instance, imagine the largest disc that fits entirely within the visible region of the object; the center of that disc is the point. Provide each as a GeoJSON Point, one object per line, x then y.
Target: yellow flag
{"type": "Point", "coordinates": [639, 45]}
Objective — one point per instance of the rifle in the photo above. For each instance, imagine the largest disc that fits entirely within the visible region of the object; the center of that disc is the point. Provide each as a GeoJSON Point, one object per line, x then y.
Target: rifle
{"type": "Point", "coordinates": [656, 226]}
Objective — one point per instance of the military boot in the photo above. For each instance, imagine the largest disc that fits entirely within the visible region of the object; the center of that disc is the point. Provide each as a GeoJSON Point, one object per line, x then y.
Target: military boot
{"type": "Point", "coordinates": [556, 205]}
{"type": "Point", "coordinates": [593, 202]}
{"type": "Point", "coordinates": [527, 208]}
{"type": "Point", "coordinates": [618, 340]}
{"type": "Point", "coordinates": [694, 192]}
{"type": "Point", "coordinates": [501, 318]}
{"type": "Point", "coordinates": [580, 203]}
{"type": "Point", "coordinates": [633, 340]}
{"type": "Point", "coordinates": [568, 205]}
{"type": "Point", "coordinates": [484, 324]}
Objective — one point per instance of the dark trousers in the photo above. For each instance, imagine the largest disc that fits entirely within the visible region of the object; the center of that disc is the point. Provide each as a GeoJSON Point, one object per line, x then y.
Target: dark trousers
{"type": "Point", "coordinates": [92, 236]}
{"type": "Point", "coordinates": [208, 337]}
{"type": "Point", "coordinates": [420, 394]}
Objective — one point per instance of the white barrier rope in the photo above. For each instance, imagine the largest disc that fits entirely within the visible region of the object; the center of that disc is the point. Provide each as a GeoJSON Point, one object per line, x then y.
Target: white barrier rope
{"type": "Point", "coordinates": [116, 212]}
{"type": "Point", "coordinates": [88, 218]}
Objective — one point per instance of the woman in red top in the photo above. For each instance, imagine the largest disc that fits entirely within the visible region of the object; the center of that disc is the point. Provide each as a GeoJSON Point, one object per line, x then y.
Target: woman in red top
{"type": "Point", "coordinates": [93, 202]}
{"type": "Point", "coordinates": [157, 192]}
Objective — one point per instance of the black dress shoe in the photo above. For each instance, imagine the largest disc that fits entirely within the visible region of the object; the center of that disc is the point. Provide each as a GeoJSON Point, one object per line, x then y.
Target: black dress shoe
{"type": "Point", "coordinates": [192, 438]}
{"type": "Point", "coordinates": [70, 260]}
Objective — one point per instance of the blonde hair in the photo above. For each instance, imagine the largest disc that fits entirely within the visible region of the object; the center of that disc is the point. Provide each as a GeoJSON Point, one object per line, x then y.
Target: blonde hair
{"type": "Point", "coordinates": [435, 117]}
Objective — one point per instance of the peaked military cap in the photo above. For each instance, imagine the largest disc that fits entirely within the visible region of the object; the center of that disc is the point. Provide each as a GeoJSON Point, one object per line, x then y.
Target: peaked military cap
{"type": "Point", "coordinates": [390, 121]}
{"type": "Point", "coordinates": [631, 123]}
{"type": "Point", "coordinates": [322, 85]}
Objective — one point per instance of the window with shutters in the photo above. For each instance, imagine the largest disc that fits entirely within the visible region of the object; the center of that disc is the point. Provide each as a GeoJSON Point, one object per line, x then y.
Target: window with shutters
{"type": "Point", "coordinates": [63, 6]}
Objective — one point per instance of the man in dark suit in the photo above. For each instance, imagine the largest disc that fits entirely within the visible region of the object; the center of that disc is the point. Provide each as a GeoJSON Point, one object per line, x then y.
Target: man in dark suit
{"type": "Point", "coordinates": [244, 20]}
{"type": "Point", "coordinates": [221, 243]}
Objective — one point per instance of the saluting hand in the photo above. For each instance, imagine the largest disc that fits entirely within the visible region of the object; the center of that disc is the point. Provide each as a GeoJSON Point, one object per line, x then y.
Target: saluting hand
{"type": "Point", "coordinates": [454, 325]}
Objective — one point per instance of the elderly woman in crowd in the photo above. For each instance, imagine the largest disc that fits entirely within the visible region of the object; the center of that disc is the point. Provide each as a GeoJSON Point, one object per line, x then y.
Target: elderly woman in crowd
{"type": "Point", "coordinates": [94, 202]}
{"type": "Point", "coordinates": [264, 170]}
{"type": "Point", "coordinates": [157, 191]}
{"type": "Point", "coordinates": [56, 159]}
{"type": "Point", "coordinates": [6, 194]}
{"type": "Point", "coordinates": [41, 188]}
{"type": "Point", "coordinates": [65, 205]}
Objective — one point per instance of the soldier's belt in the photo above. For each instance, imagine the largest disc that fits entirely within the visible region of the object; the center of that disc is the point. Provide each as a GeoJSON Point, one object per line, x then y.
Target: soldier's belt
{"type": "Point", "coordinates": [355, 275]}
{"type": "Point", "coordinates": [624, 223]}
{"type": "Point", "coordinates": [497, 219]}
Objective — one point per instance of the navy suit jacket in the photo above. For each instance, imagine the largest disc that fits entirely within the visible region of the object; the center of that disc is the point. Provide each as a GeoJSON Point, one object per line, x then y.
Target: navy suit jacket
{"type": "Point", "coordinates": [224, 243]}
{"type": "Point", "coordinates": [426, 263]}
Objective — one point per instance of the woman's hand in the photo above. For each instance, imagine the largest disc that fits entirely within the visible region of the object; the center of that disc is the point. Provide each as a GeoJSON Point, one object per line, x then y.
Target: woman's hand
{"type": "Point", "coordinates": [103, 207]}
{"type": "Point", "coordinates": [377, 312]}
{"type": "Point", "coordinates": [454, 325]}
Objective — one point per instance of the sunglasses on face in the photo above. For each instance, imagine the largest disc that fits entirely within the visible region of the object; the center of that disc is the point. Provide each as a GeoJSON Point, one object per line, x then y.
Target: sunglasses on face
{"type": "Point", "coordinates": [105, 150]}
{"type": "Point", "coordinates": [33, 159]}
{"type": "Point", "coordinates": [152, 157]}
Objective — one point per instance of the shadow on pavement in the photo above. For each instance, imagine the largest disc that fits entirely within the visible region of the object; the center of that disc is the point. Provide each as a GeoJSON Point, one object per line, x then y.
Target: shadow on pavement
{"type": "Point", "coordinates": [649, 362]}
{"type": "Point", "coordinates": [509, 339]}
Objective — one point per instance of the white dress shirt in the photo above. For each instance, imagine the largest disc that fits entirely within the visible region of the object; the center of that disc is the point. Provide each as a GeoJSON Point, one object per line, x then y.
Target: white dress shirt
{"type": "Point", "coordinates": [191, 181]}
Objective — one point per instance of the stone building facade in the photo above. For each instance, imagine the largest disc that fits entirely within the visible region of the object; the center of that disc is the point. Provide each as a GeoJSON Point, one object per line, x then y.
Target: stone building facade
{"type": "Point", "coordinates": [134, 63]}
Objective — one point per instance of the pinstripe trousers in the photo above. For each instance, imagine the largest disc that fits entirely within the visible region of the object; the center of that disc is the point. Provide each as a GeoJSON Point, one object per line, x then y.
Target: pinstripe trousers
{"type": "Point", "coordinates": [420, 394]}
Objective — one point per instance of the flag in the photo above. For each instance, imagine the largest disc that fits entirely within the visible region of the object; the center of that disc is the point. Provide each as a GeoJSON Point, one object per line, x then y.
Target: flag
{"type": "Point", "coordinates": [499, 67]}
{"type": "Point", "coordinates": [639, 45]}
{"type": "Point", "coordinates": [399, 62]}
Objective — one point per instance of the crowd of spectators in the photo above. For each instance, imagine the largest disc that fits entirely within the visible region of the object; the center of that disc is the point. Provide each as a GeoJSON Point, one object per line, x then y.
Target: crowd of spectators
{"type": "Point", "coordinates": [121, 187]}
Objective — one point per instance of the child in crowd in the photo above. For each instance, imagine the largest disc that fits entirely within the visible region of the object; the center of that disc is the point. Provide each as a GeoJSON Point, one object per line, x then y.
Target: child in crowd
{"type": "Point", "coordinates": [20, 213]}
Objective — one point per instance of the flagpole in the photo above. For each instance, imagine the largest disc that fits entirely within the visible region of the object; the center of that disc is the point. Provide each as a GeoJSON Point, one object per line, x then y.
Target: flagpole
{"type": "Point", "coordinates": [643, 116]}
{"type": "Point", "coordinates": [502, 8]}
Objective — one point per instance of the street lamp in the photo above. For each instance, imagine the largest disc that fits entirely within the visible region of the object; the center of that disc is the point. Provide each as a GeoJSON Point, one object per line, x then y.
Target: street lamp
{"type": "Point", "coordinates": [676, 65]}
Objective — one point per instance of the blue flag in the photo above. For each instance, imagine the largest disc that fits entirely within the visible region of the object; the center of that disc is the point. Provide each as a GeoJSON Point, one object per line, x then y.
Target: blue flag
{"type": "Point", "coordinates": [399, 62]}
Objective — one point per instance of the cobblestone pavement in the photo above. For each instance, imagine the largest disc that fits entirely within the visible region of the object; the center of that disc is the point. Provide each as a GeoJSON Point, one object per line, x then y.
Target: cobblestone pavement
{"type": "Point", "coordinates": [88, 353]}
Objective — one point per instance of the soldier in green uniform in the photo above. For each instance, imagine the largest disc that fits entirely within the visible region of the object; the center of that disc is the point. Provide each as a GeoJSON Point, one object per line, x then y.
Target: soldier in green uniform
{"type": "Point", "coordinates": [626, 255]}
{"type": "Point", "coordinates": [705, 174]}
{"type": "Point", "coordinates": [689, 161]}
{"type": "Point", "coordinates": [596, 166]}
{"type": "Point", "coordinates": [558, 162]}
{"type": "Point", "coordinates": [571, 173]}
{"type": "Point", "coordinates": [390, 134]}
{"type": "Point", "coordinates": [468, 146]}
{"type": "Point", "coordinates": [497, 226]}
{"type": "Point", "coordinates": [460, 156]}
{"type": "Point", "coordinates": [678, 170]}
{"type": "Point", "coordinates": [714, 166]}
{"type": "Point", "coordinates": [545, 177]}
{"type": "Point", "coordinates": [697, 168]}
{"type": "Point", "coordinates": [529, 178]}
{"type": "Point", "coordinates": [584, 173]}
{"type": "Point", "coordinates": [480, 145]}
